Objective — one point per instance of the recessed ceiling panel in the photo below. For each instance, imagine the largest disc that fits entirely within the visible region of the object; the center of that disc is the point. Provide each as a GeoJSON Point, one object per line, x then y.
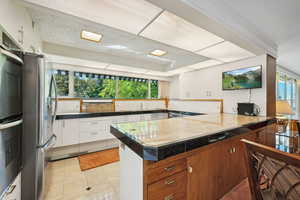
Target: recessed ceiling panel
{"type": "Point", "coordinates": [179, 71]}
{"type": "Point", "coordinates": [75, 61]}
{"type": "Point", "coordinates": [157, 73]}
{"type": "Point", "coordinates": [226, 52]}
{"type": "Point", "coordinates": [175, 31]}
{"type": "Point", "coordinates": [204, 64]}
{"type": "Point", "coordinates": [128, 15]}
{"type": "Point", "coordinates": [115, 44]}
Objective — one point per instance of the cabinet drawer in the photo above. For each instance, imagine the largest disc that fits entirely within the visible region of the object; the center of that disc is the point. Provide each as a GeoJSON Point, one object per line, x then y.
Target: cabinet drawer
{"type": "Point", "coordinates": [91, 136]}
{"type": "Point", "coordinates": [92, 126]}
{"type": "Point", "coordinates": [169, 169]}
{"type": "Point", "coordinates": [170, 188]}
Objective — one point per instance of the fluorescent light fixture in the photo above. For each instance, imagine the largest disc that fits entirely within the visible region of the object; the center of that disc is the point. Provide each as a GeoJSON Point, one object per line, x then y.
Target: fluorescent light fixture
{"type": "Point", "coordinates": [90, 36]}
{"type": "Point", "coordinates": [158, 52]}
{"type": "Point", "coordinates": [117, 47]}
{"type": "Point", "coordinates": [226, 52]}
{"type": "Point", "coordinates": [205, 64]}
{"type": "Point", "coordinates": [175, 31]}
{"type": "Point", "coordinates": [122, 68]}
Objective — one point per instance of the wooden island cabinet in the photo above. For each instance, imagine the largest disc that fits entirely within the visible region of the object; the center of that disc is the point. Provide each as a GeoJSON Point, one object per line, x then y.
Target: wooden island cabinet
{"type": "Point", "coordinates": [206, 173]}
{"type": "Point", "coordinates": [190, 158]}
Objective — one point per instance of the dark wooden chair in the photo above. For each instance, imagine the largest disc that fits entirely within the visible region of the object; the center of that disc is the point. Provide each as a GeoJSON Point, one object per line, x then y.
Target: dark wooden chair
{"type": "Point", "coordinates": [272, 174]}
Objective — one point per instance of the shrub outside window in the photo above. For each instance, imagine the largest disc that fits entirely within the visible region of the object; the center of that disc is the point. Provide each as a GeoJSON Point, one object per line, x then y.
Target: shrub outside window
{"type": "Point", "coordinates": [94, 86]}
{"type": "Point", "coordinates": [100, 86]}
{"type": "Point", "coordinates": [62, 82]}
{"type": "Point", "coordinates": [133, 88]}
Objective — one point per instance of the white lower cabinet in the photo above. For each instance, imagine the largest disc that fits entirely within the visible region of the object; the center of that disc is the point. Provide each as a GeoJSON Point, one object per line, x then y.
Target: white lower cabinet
{"type": "Point", "coordinates": [85, 130]}
{"type": "Point", "coordinates": [57, 130]}
{"type": "Point", "coordinates": [92, 129]}
{"type": "Point", "coordinates": [14, 191]}
{"type": "Point", "coordinates": [70, 132]}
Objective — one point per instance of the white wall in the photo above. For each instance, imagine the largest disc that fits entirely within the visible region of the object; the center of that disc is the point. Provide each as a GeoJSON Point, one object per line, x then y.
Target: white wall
{"type": "Point", "coordinates": [140, 105]}
{"type": "Point", "coordinates": [12, 17]}
{"type": "Point", "coordinates": [195, 106]}
{"type": "Point", "coordinates": [207, 83]}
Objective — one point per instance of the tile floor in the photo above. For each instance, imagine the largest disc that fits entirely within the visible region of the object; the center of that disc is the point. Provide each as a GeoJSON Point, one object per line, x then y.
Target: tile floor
{"type": "Point", "coordinates": [239, 192]}
{"type": "Point", "coordinates": [65, 181]}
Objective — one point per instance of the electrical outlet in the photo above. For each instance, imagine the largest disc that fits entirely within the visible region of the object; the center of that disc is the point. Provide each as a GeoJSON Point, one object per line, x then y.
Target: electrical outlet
{"type": "Point", "coordinates": [208, 93]}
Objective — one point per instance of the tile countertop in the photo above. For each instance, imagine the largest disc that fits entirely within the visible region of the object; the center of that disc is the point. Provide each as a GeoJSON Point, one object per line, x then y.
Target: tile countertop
{"type": "Point", "coordinates": [61, 116]}
{"type": "Point", "coordinates": [152, 136]}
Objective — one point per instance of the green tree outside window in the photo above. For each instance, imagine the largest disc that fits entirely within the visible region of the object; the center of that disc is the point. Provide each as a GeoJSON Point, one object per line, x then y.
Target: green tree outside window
{"type": "Point", "coordinates": [104, 86]}
{"type": "Point", "coordinates": [133, 89]}
{"type": "Point", "coordinates": [154, 89]}
{"type": "Point", "coordinates": [94, 88]}
{"type": "Point", "coordinates": [62, 82]}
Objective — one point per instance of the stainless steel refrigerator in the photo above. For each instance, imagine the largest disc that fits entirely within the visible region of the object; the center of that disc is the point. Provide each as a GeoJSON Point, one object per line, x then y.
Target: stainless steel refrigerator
{"type": "Point", "coordinates": [39, 112]}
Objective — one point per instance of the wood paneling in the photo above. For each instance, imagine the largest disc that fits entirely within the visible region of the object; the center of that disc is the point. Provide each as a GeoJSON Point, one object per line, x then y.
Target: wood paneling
{"type": "Point", "coordinates": [211, 171]}
{"type": "Point", "coordinates": [98, 107]}
{"type": "Point", "coordinates": [271, 86]}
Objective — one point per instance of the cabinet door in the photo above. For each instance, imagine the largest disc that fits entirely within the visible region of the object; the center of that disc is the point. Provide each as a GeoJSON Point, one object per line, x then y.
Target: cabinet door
{"type": "Point", "coordinates": [57, 130]}
{"type": "Point", "coordinates": [107, 125]}
{"type": "Point", "coordinates": [206, 174]}
{"type": "Point", "coordinates": [237, 168]}
{"type": "Point", "coordinates": [70, 132]}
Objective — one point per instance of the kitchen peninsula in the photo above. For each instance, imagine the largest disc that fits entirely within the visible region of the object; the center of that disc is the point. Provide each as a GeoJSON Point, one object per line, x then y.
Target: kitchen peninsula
{"type": "Point", "coordinates": [193, 157]}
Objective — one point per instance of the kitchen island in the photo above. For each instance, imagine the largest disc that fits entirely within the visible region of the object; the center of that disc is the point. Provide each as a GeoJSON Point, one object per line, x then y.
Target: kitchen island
{"type": "Point", "coordinates": [193, 157]}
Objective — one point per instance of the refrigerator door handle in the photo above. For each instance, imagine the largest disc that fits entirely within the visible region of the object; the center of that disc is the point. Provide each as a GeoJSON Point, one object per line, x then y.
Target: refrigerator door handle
{"type": "Point", "coordinates": [55, 96]}
{"type": "Point", "coordinates": [50, 143]}
{"type": "Point", "coordinates": [11, 124]}
{"type": "Point", "coordinates": [12, 56]}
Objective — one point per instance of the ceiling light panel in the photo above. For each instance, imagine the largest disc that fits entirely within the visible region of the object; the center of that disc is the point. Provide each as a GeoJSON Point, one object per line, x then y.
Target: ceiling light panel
{"type": "Point", "coordinates": [122, 68]}
{"type": "Point", "coordinates": [205, 64]}
{"type": "Point", "coordinates": [226, 52]}
{"type": "Point", "coordinates": [87, 35]}
{"type": "Point", "coordinates": [158, 52]}
{"type": "Point", "coordinates": [175, 31]}
{"type": "Point", "coordinates": [128, 15]}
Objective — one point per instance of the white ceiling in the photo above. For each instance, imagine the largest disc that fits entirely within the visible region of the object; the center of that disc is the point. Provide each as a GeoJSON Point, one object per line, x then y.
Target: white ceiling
{"type": "Point", "coordinates": [65, 30]}
{"type": "Point", "coordinates": [131, 29]}
{"type": "Point", "coordinates": [177, 32]}
{"type": "Point", "coordinates": [279, 21]}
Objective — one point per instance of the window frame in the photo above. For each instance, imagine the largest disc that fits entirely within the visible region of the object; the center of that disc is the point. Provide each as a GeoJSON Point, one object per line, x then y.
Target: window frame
{"type": "Point", "coordinates": [72, 92]}
{"type": "Point", "coordinates": [290, 96]}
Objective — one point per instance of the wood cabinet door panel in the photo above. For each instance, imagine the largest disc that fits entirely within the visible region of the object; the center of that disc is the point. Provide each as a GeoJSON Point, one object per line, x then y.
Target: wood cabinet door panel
{"type": "Point", "coordinates": [157, 173]}
{"type": "Point", "coordinates": [169, 188]}
{"type": "Point", "coordinates": [205, 174]}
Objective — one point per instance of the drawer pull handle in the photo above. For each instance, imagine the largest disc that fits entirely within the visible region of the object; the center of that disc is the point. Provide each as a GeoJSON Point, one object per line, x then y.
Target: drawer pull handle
{"type": "Point", "coordinates": [170, 168]}
{"type": "Point", "coordinates": [169, 197]}
{"type": "Point", "coordinates": [170, 182]}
